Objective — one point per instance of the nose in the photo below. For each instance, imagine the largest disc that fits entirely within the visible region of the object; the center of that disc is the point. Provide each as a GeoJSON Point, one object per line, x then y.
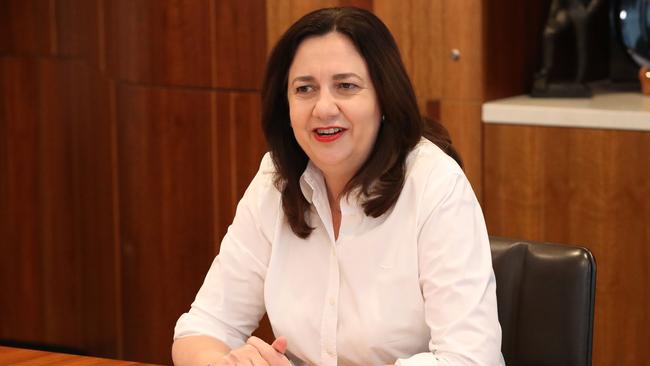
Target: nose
{"type": "Point", "coordinates": [326, 107]}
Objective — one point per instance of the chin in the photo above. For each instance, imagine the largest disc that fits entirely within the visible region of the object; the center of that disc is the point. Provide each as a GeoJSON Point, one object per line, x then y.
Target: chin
{"type": "Point", "coordinates": [330, 161]}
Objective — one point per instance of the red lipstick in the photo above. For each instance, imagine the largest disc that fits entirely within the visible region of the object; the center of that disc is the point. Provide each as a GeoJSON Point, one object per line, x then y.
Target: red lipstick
{"type": "Point", "coordinates": [328, 134]}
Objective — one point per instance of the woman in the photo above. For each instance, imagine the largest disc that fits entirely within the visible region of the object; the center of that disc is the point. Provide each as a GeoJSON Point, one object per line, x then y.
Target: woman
{"type": "Point", "coordinates": [362, 240]}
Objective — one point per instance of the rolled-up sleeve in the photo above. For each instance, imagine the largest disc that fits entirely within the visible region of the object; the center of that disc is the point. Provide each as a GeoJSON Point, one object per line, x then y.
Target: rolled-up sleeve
{"type": "Point", "coordinates": [230, 303]}
{"type": "Point", "coordinates": [457, 279]}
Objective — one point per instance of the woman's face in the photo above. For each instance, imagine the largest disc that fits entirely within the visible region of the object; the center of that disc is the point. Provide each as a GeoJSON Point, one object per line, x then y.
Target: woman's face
{"type": "Point", "coordinates": [333, 106]}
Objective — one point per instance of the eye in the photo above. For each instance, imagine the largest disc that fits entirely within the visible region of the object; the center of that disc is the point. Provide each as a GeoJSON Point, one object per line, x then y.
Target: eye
{"type": "Point", "coordinates": [348, 86]}
{"type": "Point", "coordinates": [304, 89]}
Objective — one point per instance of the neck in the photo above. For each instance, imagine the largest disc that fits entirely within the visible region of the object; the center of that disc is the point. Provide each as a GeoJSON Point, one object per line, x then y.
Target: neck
{"type": "Point", "coordinates": [334, 190]}
{"type": "Point", "coordinates": [335, 185]}
{"type": "Point", "coordinates": [336, 178]}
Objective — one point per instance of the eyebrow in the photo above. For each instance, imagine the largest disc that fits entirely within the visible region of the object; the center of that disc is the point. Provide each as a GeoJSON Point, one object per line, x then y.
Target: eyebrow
{"type": "Point", "coordinates": [335, 77]}
{"type": "Point", "coordinates": [303, 78]}
{"type": "Point", "coordinates": [346, 75]}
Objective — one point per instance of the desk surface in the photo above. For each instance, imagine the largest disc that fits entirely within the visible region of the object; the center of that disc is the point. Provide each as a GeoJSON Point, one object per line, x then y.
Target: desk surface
{"type": "Point", "coordinates": [23, 357]}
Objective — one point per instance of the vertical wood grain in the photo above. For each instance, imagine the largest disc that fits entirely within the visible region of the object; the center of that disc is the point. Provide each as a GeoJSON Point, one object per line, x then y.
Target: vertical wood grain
{"type": "Point", "coordinates": [96, 217]}
{"type": "Point", "coordinates": [280, 14]}
{"type": "Point", "coordinates": [21, 318]}
{"type": "Point", "coordinates": [238, 146]}
{"type": "Point", "coordinates": [78, 31]}
{"type": "Point", "coordinates": [26, 27]}
{"type": "Point", "coordinates": [158, 42]}
{"type": "Point", "coordinates": [462, 85]}
{"type": "Point", "coordinates": [40, 221]}
{"type": "Point", "coordinates": [166, 214]}
{"type": "Point", "coordinates": [463, 121]}
{"type": "Point", "coordinates": [418, 29]}
{"type": "Point", "coordinates": [462, 28]}
{"type": "Point", "coordinates": [222, 173]}
{"type": "Point", "coordinates": [204, 43]}
{"type": "Point", "coordinates": [60, 253]}
{"type": "Point", "coordinates": [587, 187]}
{"type": "Point", "coordinates": [238, 149]}
{"type": "Point", "coordinates": [239, 43]}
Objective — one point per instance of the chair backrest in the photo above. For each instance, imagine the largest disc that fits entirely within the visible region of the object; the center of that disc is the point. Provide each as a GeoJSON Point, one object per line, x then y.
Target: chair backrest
{"type": "Point", "coordinates": [545, 294]}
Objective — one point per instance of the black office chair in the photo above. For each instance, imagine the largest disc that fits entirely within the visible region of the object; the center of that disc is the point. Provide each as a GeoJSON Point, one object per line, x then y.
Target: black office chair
{"type": "Point", "coordinates": [545, 294]}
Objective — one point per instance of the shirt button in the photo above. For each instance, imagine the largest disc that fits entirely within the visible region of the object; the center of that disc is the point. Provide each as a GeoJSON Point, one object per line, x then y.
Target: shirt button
{"type": "Point", "coordinates": [332, 301]}
{"type": "Point", "coordinates": [331, 352]}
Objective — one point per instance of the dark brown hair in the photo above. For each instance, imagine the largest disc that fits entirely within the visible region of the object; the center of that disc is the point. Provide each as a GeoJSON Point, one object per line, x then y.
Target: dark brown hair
{"type": "Point", "coordinates": [381, 177]}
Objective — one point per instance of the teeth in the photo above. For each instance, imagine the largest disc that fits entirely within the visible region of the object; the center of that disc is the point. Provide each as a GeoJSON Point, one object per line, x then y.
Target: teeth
{"type": "Point", "coordinates": [328, 131]}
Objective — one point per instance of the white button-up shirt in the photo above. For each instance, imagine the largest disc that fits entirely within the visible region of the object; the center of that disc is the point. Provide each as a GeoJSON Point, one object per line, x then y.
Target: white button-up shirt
{"type": "Point", "coordinates": [414, 286]}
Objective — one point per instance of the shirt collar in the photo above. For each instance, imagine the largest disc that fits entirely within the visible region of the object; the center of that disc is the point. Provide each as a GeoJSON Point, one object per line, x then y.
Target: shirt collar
{"type": "Point", "coordinates": [312, 185]}
{"type": "Point", "coordinates": [312, 182]}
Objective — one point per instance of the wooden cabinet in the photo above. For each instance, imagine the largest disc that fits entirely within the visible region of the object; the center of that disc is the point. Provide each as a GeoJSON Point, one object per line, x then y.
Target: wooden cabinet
{"type": "Point", "coordinates": [583, 186]}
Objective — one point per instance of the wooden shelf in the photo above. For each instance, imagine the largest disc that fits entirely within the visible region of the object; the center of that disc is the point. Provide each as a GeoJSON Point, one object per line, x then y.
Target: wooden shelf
{"type": "Point", "coordinates": [606, 110]}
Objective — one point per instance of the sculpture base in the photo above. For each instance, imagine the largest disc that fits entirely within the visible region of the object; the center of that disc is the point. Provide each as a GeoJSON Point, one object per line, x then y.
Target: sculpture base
{"type": "Point", "coordinates": [561, 90]}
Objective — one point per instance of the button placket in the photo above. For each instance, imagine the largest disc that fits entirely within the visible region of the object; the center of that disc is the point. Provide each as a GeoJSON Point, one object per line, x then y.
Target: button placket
{"type": "Point", "coordinates": [330, 313]}
{"type": "Point", "coordinates": [323, 211]}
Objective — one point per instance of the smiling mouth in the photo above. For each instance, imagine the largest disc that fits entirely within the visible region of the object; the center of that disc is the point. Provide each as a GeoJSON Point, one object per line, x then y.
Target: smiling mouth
{"type": "Point", "coordinates": [328, 134]}
{"type": "Point", "coordinates": [328, 131]}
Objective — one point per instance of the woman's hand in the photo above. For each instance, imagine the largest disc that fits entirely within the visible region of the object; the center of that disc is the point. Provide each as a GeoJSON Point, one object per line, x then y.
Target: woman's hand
{"type": "Point", "coordinates": [244, 355]}
{"type": "Point", "coordinates": [273, 354]}
{"type": "Point", "coordinates": [256, 352]}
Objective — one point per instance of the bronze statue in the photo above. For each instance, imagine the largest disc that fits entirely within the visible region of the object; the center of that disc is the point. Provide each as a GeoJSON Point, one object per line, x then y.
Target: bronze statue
{"type": "Point", "coordinates": [562, 15]}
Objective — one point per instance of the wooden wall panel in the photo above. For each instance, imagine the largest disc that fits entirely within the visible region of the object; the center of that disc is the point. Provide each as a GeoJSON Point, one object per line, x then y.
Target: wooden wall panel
{"type": "Point", "coordinates": [249, 144]}
{"type": "Point", "coordinates": [462, 24]}
{"type": "Point", "coordinates": [61, 258]}
{"type": "Point", "coordinates": [27, 27]}
{"type": "Point", "coordinates": [463, 120]}
{"type": "Point", "coordinates": [197, 43]}
{"type": "Point", "coordinates": [224, 167]}
{"type": "Point", "coordinates": [280, 14]}
{"type": "Point", "coordinates": [238, 149]}
{"type": "Point", "coordinates": [92, 221]}
{"type": "Point", "coordinates": [585, 187]}
{"type": "Point", "coordinates": [91, 120]}
{"type": "Point", "coordinates": [166, 211]}
{"type": "Point", "coordinates": [78, 30]}
{"type": "Point", "coordinates": [417, 28]}
{"type": "Point", "coordinates": [462, 85]}
{"type": "Point", "coordinates": [41, 223]}
{"type": "Point", "coordinates": [159, 42]}
{"type": "Point", "coordinates": [237, 152]}
{"type": "Point", "coordinates": [21, 279]}
{"type": "Point", "coordinates": [239, 41]}
{"type": "Point", "coordinates": [364, 4]}
{"type": "Point", "coordinates": [97, 230]}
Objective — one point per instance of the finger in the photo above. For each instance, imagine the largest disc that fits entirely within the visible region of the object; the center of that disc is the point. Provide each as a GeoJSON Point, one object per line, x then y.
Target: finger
{"type": "Point", "coordinates": [246, 355]}
{"type": "Point", "coordinates": [258, 360]}
{"type": "Point", "coordinates": [254, 356]}
{"type": "Point", "coordinates": [268, 353]}
{"type": "Point", "coordinates": [280, 344]}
